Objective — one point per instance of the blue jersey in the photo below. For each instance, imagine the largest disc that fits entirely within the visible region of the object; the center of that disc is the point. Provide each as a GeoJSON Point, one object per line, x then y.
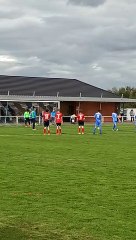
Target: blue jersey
{"type": "Point", "coordinates": [53, 114]}
{"type": "Point", "coordinates": [33, 115]}
{"type": "Point", "coordinates": [114, 117]}
{"type": "Point", "coordinates": [98, 119]}
{"type": "Point", "coordinates": [98, 116]}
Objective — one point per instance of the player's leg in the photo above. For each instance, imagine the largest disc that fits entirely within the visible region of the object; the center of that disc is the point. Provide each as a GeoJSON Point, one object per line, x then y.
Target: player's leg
{"type": "Point", "coordinates": [113, 126]}
{"type": "Point", "coordinates": [48, 127]}
{"type": "Point", "coordinates": [28, 122]}
{"type": "Point", "coordinates": [82, 127]}
{"type": "Point", "coordinates": [79, 128]}
{"type": "Point", "coordinates": [44, 128]}
{"type": "Point", "coordinates": [49, 130]}
{"type": "Point", "coordinates": [57, 129]}
{"type": "Point", "coordinates": [116, 129]}
{"type": "Point", "coordinates": [52, 120]}
{"type": "Point", "coordinates": [25, 122]}
{"type": "Point", "coordinates": [60, 130]}
{"type": "Point", "coordinates": [32, 122]}
{"type": "Point", "coordinates": [95, 126]}
{"type": "Point", "coordinates": [135, 121]}
{"type": "Point", "coordinates": [33, 125]}
{"type": "Point", "coordinates": [44, 131]}
{"type": "Point", "coordinates": [100, 128]}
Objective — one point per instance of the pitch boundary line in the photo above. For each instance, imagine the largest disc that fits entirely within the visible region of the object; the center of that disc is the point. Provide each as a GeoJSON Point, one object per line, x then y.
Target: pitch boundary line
{"type": "Point", "coordinates": [11, 135]}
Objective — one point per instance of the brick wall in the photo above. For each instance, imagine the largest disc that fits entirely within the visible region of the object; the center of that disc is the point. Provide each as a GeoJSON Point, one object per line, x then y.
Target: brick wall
{"type": "Point", "coordinates": [89, 109]}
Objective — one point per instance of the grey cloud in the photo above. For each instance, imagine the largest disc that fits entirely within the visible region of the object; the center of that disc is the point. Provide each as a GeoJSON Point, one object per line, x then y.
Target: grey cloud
{"type": "Point", "coordinates": [56, 39]}
{"type": "Point", "coordinates": [10, 14]}
{"type": "Point", "coordinates": [93, 3]}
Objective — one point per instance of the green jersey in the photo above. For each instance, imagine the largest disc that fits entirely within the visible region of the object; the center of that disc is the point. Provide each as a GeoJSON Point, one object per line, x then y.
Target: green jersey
{"type": "Point", "coordinates": [26, 114]}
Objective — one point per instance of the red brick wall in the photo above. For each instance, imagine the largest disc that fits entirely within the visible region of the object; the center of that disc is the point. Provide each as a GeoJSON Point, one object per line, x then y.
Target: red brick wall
{"type": "Point", "coordinates": [89, 109]}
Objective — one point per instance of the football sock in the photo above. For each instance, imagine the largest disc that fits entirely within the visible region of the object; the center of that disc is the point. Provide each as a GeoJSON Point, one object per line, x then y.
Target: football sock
{"type": "Point", "coordinates": [44, 131]}
{"type": "Point", "coordinates": [49, 132]}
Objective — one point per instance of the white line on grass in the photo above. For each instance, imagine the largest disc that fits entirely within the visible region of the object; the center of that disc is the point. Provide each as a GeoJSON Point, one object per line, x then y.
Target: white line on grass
{"type": "Point", "coordinates": [11, 135]}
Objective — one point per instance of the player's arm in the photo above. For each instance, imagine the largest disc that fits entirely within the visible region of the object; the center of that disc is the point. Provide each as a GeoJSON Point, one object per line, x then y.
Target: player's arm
{"type": "Point", "coordinates": [24, 116]}
{"type": "Point", "coordinates": [61, 119]}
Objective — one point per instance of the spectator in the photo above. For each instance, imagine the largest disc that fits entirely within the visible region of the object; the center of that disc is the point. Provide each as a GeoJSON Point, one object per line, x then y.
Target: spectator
{"type": "Point", "coordinates": [132, 115]}
{"type": "Point", "coordinates": [120, 118]}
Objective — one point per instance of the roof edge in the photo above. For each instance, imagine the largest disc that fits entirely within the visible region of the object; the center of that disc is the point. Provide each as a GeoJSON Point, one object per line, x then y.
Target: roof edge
{"type": "Point", "coordinates": [23, 98]}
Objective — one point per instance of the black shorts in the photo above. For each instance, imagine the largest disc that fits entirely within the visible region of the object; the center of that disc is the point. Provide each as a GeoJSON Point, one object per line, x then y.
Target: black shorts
{"type": "Point", "coordinates": [81, 123]}
{"type": "Point", "coordinates": [46, 123]}
{"type": "Point", "coordinates": [27, 120]}
{"type": "Point", "coordinates": [58, 124]}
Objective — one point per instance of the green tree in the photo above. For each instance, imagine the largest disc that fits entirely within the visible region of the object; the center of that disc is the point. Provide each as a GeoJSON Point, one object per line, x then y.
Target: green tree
{"type": "Point", "coordinates": [126, 92]}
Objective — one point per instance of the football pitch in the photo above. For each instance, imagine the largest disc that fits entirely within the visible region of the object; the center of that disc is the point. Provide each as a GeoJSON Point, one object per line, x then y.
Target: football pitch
{"type": "Point", "coordinates": [68, 187]}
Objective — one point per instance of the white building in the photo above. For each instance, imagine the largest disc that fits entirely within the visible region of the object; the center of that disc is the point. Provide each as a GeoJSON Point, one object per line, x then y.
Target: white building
{"type": "Point", "coordinates": [128, 113]}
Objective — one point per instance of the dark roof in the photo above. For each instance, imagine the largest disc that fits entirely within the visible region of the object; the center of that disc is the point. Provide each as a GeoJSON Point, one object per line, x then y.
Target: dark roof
{"type": "Point", "coordinates": [42, 86]}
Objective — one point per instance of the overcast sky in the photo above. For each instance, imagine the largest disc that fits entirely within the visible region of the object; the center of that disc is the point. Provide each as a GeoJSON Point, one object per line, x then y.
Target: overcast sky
{"type": "Point", "coordinates": [90, 40]}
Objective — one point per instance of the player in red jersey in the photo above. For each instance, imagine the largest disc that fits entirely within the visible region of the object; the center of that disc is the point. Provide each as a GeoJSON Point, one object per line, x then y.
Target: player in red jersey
{"type": "Point", "coordinates": [80, 119]}
{"type": "Point", "coordinates": [58, 120]}
{"type": "Point", "coordinates": [46, 121]}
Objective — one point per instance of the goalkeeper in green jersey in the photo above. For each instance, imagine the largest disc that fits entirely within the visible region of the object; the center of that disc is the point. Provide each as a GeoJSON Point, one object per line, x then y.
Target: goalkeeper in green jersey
{"type": "Point", "coordinates": [27, 118]}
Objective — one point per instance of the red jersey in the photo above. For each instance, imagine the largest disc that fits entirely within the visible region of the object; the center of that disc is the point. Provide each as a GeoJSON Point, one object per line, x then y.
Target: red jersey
{"type": "Point", "coordinates": [80, 117]}
{"type": "Point", "coordinates": [46, 116]}
{"type": "Point", "coordinates": [58, 117]}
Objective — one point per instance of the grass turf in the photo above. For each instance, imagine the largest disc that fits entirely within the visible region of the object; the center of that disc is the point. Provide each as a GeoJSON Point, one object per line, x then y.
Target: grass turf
{"type": "Point", "coordinates": [68, 187]}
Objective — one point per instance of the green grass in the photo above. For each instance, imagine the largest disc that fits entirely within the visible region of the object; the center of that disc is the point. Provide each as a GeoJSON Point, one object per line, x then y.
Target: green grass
{"type": "Point", "coordinates": [68, 187]}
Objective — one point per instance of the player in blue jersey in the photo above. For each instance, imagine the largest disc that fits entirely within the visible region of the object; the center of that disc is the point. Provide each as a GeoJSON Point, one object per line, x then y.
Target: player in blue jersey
{"type": "Point", "coordinates": [115, 120]}
{"type": "Point", "coordinates": [98, 122]}
{"type": "Point", "coordinates": [135, 120]}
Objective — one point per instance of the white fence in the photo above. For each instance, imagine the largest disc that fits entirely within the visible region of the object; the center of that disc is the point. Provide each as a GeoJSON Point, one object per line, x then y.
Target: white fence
{"type": "Point", "coordinates": [20, 119]}
{"type": "Point", "coordinates": [16, 120]}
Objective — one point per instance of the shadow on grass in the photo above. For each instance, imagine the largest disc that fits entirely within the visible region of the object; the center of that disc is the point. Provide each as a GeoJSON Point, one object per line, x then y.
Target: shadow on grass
{"type": "Point", "coordinates": [12, 233]}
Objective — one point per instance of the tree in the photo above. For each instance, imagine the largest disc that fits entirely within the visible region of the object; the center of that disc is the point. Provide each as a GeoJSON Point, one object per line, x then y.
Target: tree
{"type": "Point", "coordinates": [126, 92]}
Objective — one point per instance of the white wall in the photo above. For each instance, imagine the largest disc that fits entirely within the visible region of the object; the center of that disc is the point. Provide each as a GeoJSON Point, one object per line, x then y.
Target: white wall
{"type": "Point", "coordinates": [128, 112]}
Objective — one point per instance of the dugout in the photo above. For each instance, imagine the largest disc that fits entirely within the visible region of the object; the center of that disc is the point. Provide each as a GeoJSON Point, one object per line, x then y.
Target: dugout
{"type": "Point", "coordinates": [70, 95]}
